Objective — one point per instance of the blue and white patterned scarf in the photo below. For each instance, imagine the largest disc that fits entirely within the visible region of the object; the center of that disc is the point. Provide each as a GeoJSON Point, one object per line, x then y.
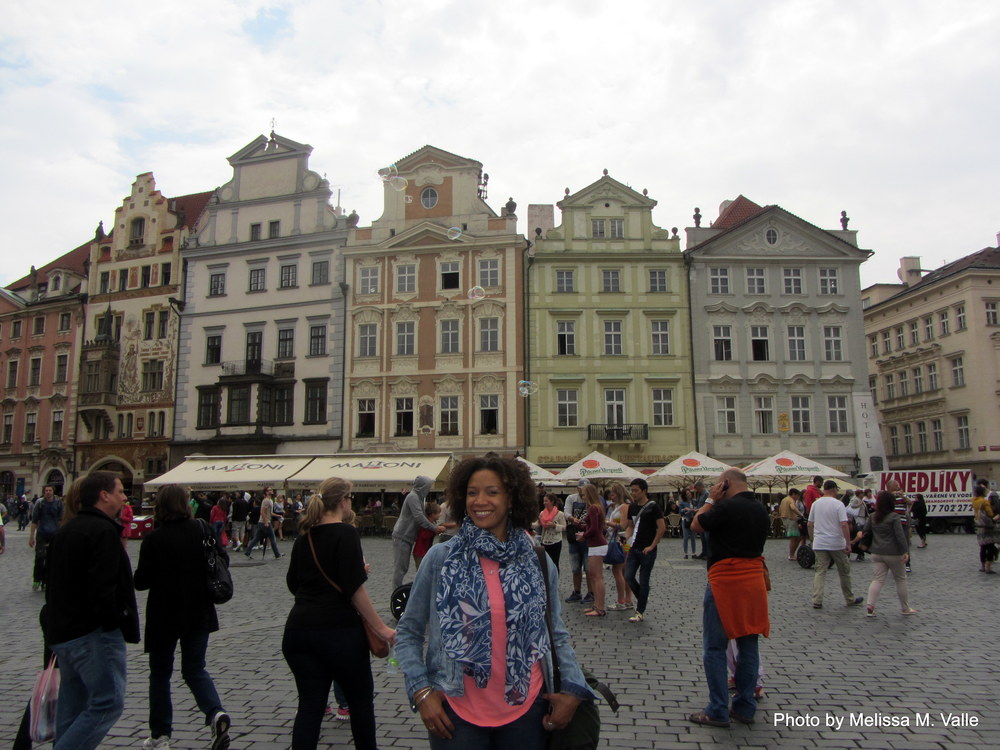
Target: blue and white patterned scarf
{"type": "Point", "coordinates": [464, 607]}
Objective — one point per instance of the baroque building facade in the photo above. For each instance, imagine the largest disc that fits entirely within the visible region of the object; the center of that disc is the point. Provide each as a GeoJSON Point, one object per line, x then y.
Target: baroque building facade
{"type": "Point", "coordinates": [933, 345]}
{"type": "Point", "coordinates": [607, 332]}
{"type": "Point", "coordinates": [261, 323]}
{"type": "Point", "coordinates": [434, 315]}
{"type": "Point", "coordinates": [778, 364]}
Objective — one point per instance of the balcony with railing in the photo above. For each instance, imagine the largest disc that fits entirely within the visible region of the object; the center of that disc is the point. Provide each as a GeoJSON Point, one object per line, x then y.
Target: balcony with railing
{"type": "Point", "coordinates": [618, 433]}
{"type": "Point", "coordinates": [99, 398]}
{"type": "Point", "coordinates": [241, 367]}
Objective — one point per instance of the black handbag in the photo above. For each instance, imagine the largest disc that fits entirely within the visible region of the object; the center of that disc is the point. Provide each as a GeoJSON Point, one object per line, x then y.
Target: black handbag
{"type": "Point", "coordinates": [584, 730]}
{"type": "Point", "coordinates": [218, 580]}
{"type": "Point", "coordinates": [615, 554]}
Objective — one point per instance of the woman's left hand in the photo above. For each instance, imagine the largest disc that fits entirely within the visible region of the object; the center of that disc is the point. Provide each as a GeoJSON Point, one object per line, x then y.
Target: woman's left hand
{"type": "Point", "coordinates": [387, 634]}
{"type": "Point", "coordinates": [563, 707]}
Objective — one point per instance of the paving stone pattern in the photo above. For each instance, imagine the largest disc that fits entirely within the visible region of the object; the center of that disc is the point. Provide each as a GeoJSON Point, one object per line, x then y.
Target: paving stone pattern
{"type": "Point", "coordinates": [823, 666]}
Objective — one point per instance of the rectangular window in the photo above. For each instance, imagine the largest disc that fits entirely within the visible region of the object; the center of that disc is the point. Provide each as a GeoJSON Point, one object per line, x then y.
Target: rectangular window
{"type": "Point", "coordinates": [449, 336]}
{"type": "Point", "coordinates": [932, 377]}
{"type": "Point", "coordinates": [929, 328]}
{"type": "Point", "coordinates": [257, 280]}
{"type": "Point", "coordinates": [755, 281]}
{"type": "Point", "coordinates": [611, 280]}
{"type": "Point", "coordinates": [317, 341]}
{"type": "Point", "coordinates": [315, 402]}
{"type": "Point", "coordinates": [489, 415]}
{"type": "Point", "coordinates": [566, 337]}
{"type": "Point", "coordinates": [208, 407]}
{"type": "Point", "coordinates": [797, 343]}
{"type": "Point", "coordinates": [759, 349]}
{"type": "Point", "coordinates": [962, 428]}
{"type": "Point", "coordinates": [904, 383]}
{"type": "Point", "coordinates": [918, 381]}
{"type": "Point", "coordinates": [57, 425]}
{"type": "Point", "coordinates": [564, 281]}
{"type": "Point", "coordinates": [944, 323]}
{"type": "Point", "coordinates": [663, 407]}
{"type": "Point", "coordinates": [828, 281]}
{"type": "Point", "coordinates": [914, 333]}
{"type": "Point", "coordinates": [660, 330]}
{"type": "Point", "coordinates": [837, 410]}
{"type": "Point", "coordinates": [273, 229]}
{"type": "Point", "coordinates": [725, 415]}
{"type": "Point", "coordinates": [957, 372]}
{"type": "Point", "coordinates": [255, 233]}
{"type": "Point", "coordinates": [152, 375]}
{"type": "Point", "coordinates": [38, 325]}
{"type": "Point", "coordinates": [105, 282]}
{"type": "Point", "coordinates": [907, 438]}
{"type": "Point", "coordinates": [894, 440]}
{"type": "Point", "coordinates": [165, 274]}
{"type": "Point", "coordinates": [368, 280]}
{"type": "Point", "coordinates": [148, 322]}
{"type": "Point", "coordinates": [489, 335]}
{"type": "Point", "coordinates": [900, 338]}
{"type": "Point", "coordinates": [597, 228]}
{"type": "Point", "coordinates": [162, 320]}
{"type": "Point", "coordinates": [873, 388]}
{"type": "Point", "coordinates": [406, 278]}
{"type": "Point", "coordinates": [367, 340]}
{"type": "Point", "coordinates": [30, 422]}
{"type": "Point", "coordinates": [122, 279]}
{"type": "Point", "coordinates": [8, 428]}
{"type": "Point", "coordinates": [886, 342]}
{"type": "Point", "coordinates": [35, 371]}
{"type": "Point", "coordinates": [873, 346]}
{"type": "Point", "coordinates": [286, 343]}
{"type": "Point", "coordinates": [404, 417]}
{"type": "Point", "coordinates": [406, 337]}
{"type": "Point", "coordinates": [722, 337]}
{"type": "Point", "coordinates": [366, 418]}
{"type": "Point", "coordinates": [801, 414]}
{"type": "Point", "coordinates": [921, 437]}
{"type": "Point", "coordinates": [284, 404]}
{"type": "Point", "coordinates": [239, 404]}
{"type": "Point", "coordinates": [614, 406]}
{"type": "Point", "coordinates": [657, 280]}
{"type": "Point", "coordinates": [718, 280]}
{"type": "Point", "coordinates": [213, 349]}
{"type": "Point", "coordinates": [92, 377]}
{"type": "Point", "coordinates": [255, 348]}
{"type": "Point", "coordinates": [216, 284]}
{"type": "Point", "coordinates": [449, 415]}
{"type": "Point", "coordinates": [793, 280]}
{"type": "Point", "coordinates": [832, 344]}
{"type": "Point", "coordinates": [763, 414]}
{"type": "Point", "coordinates": [992, 314]}
{"type": "Point", "coordinates": [960, 323]}
{"type": "Point", "coordinates": [612, 337]}
{"type": "Point", "coordinates": [320, 272]}
{"type": "Point", "coordinates": [566, 407]}
{"type": "Point", "coordinates": [450, 278]}
{"type": "Point", "coordinates": [937, 434]}
{"type": "Point", "coordinates": [617, 229]}
{"type": "Point", "coordinates": [289, 276]}
{"type": "Point", "coordinates": [62, 367]}
{"type": "Point", "coordinates": [489, 272]}
{"type": "Point", "coordinates": [145, 276]}
{"type": "Point", "coordinates": [890, 387]}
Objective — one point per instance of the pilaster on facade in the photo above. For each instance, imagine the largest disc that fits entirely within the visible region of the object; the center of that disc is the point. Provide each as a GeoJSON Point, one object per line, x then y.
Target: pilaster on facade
{"type": "Point", "coordinates": [777, 363]}
{"type": "Point", "coordinates": [263, 312]}
{"type": "Point", "coordinates": [434, 315]}
{"type": "Point", "coordinates": [607, 332]}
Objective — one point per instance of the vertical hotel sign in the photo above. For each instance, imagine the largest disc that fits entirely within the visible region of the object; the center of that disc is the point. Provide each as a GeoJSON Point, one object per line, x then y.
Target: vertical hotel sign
{"type": "Point", "coordinates": [867, 437]}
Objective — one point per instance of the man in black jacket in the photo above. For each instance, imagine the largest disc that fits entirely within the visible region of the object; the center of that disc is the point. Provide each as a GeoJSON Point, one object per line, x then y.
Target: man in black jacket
{"type": "Point", "coordinates": [90, 614]}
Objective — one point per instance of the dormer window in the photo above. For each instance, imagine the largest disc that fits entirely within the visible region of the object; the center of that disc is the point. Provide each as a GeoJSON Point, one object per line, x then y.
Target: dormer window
{"type": "Point", "coordinates": [56, 283]}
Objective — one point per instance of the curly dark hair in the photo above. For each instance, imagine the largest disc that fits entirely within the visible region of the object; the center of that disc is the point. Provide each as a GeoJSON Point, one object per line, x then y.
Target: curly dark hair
{"type": "Point", "coordinates": [520, 487]}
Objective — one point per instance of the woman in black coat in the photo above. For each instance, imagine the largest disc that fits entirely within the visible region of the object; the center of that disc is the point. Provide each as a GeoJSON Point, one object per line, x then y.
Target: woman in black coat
{"type": "Point", "coordinates": [172, 567]}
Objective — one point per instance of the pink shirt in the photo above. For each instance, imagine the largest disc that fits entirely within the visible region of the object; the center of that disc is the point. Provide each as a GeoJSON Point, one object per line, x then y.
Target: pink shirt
{"type": "Point", "coordinates": [486, 707]}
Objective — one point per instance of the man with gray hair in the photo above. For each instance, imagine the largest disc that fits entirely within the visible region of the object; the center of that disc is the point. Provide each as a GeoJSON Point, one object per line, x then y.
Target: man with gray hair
{"type": "Point", "coordinates": [404, 533]}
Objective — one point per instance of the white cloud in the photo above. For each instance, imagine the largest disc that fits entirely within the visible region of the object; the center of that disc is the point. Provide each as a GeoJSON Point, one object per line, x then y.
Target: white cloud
{"type": "Point", "coordinates": [882, 109]}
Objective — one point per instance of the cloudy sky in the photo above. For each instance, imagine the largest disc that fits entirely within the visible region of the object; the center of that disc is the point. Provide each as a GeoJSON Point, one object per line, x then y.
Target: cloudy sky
{"type": "Point", "coordinates": [882, 108]}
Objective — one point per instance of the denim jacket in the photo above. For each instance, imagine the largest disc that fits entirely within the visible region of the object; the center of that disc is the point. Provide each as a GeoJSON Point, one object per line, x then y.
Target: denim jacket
{"type": "Point", "coordinates": [445, 674]}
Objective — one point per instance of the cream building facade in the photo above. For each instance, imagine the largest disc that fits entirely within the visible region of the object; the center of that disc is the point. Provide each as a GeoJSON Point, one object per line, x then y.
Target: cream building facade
{"type": "Point", "coordinates": [261, 337]}
{"type": "Point", "coordinates": [434, 315]}
{"type": "Point", "coordinates": [933, 345]}
{"type": "Point", "coordinates": [607, 332]}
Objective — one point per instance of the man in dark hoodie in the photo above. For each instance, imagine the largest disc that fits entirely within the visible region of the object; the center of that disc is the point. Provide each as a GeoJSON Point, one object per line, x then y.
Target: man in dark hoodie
{"type": "Point", "coordinates": [404, 533]}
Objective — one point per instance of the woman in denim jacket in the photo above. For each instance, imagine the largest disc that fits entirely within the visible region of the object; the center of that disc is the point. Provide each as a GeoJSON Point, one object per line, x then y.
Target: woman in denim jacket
{"type": "Point", "coordinates": [478, 603]}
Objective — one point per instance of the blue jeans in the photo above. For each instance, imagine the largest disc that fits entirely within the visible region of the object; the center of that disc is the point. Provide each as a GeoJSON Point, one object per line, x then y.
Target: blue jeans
{"type": "Point", "coordinates": [525, 733]}
{"type": "Point", "coordinates": [689, 536]}
{"type": "Point", "coordinates": [217, 527]}
{"type": "Point", "coordinates": [643, 564]}
{"type": "Point", "coordinates": [92, 690]}
{"type": "Point", "coordinates": [263, 533]}
{"type": "Point", "coordinates": [161, 667]}
{"type": "Point", "coordinates": [714, 644]}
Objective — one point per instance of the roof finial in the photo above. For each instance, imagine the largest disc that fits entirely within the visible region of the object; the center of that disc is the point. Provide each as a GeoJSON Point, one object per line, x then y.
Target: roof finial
{"type": "Point", "coordinates": [844, 218]}
{"type": "Point", "coordinates": [605, 172]}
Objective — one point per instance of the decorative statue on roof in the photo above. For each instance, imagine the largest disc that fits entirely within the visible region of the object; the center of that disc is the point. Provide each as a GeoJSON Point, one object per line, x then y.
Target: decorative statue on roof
{"type": "Point", "coordinates": [511, 206]}
{"type": "Point", "coordinates": [353, 218]}
{"type": "Point", "coordinates": [697, 217]}
{"type": "Point", "coordinates": [844, 218]}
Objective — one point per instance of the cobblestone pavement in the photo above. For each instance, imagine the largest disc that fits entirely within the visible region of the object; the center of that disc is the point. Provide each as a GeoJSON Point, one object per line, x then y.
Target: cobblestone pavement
{"type": "Point", "coordinates": [823, 666]}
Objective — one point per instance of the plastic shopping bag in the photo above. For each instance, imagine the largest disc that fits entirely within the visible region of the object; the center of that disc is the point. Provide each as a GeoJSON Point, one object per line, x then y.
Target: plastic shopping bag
{"type": "Point", "coordinates": [43, 703]}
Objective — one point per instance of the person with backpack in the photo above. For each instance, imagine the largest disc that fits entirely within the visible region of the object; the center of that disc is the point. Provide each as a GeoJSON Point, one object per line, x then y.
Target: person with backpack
{"type": "Point", "coordinates": [45, 517]}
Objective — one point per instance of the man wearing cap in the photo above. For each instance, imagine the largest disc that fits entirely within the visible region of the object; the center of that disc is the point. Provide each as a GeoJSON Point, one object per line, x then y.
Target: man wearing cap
{"type": "Point", "coordinates": [575, 510]}
{"type": "Point", "coordinates": [830, 532]}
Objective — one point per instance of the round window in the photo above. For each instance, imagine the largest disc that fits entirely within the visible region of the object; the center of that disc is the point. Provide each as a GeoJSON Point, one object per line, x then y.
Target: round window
{"type": "Point", "coordinates": [771, 236]}
{"type": "Point", "coordinates": [428, 197]}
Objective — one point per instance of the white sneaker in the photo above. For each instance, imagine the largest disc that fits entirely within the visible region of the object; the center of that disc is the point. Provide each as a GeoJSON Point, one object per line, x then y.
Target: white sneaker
{"type": "Point", "coordinates": [160, 743]}
{"type": "Point", "coordinates": [220, 730]}
{"type": "Point", "coordinates": [637, 617]}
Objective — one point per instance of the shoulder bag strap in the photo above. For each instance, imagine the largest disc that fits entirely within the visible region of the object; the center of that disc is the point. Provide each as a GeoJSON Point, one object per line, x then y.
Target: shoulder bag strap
{"type": "Point", "coordinates": [318, 566]}
{"type": "Point", "coordinates": [543, 563]}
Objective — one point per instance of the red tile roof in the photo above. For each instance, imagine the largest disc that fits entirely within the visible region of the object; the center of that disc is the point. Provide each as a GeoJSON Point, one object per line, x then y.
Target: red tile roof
{"type": "Point", "coordinates": [192, 205]}
{"type": "Point", "coordinates": [740, 210]}
{"type": "Point", "coordinates": [73, 261]}
{"type": "Point", "coordinates": [986, 259]}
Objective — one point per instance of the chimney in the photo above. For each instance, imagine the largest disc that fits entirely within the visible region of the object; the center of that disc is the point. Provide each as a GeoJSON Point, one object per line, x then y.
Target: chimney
{"type": "Point", "coordinates": [909, 270]}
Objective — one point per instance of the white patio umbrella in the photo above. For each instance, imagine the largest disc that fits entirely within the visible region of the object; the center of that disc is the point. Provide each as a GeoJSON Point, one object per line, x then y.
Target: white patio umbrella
{"type": "Point", "coordinates": [693, 464]}
{"type": "Point", "coordinates": [788, 464]}
{"type": "Point", "coordinates": [537, 472]}
{"type": "Point", "coordinates": [599, 466]}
